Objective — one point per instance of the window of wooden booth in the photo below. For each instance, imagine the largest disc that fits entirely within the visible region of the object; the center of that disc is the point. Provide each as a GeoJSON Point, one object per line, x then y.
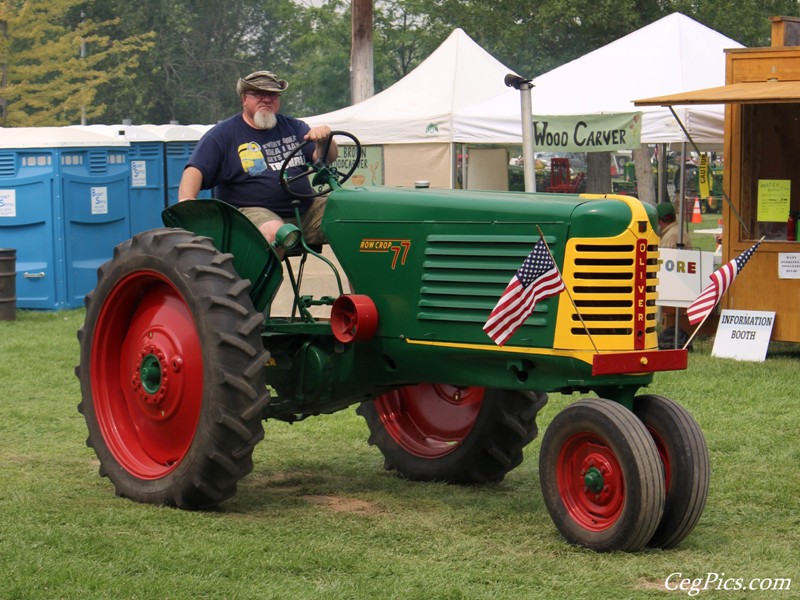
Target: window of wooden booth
{"type": "Point", "coordinates": [770, 165]}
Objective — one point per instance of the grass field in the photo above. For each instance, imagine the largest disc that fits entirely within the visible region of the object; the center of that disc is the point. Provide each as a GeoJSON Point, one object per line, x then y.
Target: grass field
{"type": "Point", "coordinates": [320, 518]}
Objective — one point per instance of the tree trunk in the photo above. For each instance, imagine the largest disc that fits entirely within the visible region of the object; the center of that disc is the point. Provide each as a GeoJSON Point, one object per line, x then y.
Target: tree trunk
{"type": "Point", "coordinates": [362, 83]}
{"type": "Point", "coordinates": [598, 172]}
{"type": "Point", "coordinates": [644, 175]}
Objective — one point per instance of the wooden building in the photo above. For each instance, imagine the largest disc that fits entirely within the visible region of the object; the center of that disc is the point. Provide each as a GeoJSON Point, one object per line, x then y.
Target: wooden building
{"type": "Point", "coordinates": [762, 172]}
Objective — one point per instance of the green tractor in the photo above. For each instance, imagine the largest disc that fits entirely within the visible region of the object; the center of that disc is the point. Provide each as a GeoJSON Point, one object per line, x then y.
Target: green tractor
{"type": "Point", "coordinates": [182, 358]}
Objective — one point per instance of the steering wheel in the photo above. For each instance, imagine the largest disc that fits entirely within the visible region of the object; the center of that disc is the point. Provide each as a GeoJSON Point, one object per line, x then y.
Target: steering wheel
{"type": "Point", "coordinates": [322, 173]}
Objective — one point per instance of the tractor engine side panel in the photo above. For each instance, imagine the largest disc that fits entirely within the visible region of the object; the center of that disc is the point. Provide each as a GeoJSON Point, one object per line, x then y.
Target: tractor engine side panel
{"type": "Point", "coordinates": [436, 263]}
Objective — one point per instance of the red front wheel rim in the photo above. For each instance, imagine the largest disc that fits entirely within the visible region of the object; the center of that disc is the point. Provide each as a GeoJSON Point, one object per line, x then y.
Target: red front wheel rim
{"type": "Point", "coordinates": [590, 482]}
{"type": "Point", "coordinates": [430, 420]}
{"type": "Point", "coordinates": [147, 375]}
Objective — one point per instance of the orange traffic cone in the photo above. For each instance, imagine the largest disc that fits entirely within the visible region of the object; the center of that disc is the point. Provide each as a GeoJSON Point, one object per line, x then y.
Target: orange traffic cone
{"type": "Point", "coordinates": [697, 216]}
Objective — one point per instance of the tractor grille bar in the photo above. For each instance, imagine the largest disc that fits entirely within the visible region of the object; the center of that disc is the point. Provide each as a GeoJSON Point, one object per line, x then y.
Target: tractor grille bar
{"type": "Point", "coordinates": [614, 291]}
{"type": "Point", "coordinates": [613, 287]}
{"type": "Point", "coordinates": [464, 276]}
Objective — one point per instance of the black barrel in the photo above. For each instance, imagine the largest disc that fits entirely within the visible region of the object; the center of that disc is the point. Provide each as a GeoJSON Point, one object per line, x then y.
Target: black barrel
{"type": "Point", "coordinates": [8, 284]}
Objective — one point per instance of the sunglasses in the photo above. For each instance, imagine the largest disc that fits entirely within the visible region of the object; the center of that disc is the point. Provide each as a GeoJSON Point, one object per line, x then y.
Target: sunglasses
{"type": "Point", "coordinates": [263, 94]}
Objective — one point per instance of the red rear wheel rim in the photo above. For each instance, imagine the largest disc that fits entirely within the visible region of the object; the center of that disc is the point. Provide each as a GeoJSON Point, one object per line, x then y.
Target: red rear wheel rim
{"type": "Point", "coordinates": [430, 420]}
{"type": "Point", "coordinates": [590, 482]}
{"type": "Point", "coordinates": [147, 375]}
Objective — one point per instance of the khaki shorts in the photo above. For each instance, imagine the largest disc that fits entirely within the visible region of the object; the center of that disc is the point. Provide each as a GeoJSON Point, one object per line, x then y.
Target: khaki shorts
{"type": "Point", "coordinates": [311, 220]}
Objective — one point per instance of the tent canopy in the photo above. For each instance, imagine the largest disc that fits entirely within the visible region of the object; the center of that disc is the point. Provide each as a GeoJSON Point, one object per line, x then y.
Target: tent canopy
{"type": "Point", "coordinates": [420, 107]}
{"type": "Point", "coordinates": [458, 93]}
{"type": "Point", "coordinates": [673, 53]}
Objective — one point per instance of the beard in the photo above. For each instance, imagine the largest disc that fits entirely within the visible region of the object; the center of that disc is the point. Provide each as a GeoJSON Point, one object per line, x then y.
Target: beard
{"type": "Point", "coordinates": [265, 119]}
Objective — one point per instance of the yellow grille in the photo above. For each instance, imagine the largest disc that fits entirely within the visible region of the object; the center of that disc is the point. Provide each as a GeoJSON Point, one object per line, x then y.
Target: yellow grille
{"type": "Point", "coordinates": [612, 293]}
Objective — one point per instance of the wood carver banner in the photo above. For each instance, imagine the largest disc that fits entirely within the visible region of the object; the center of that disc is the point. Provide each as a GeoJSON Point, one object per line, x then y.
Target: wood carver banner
{"type": "Point", "coordinates": [587, 133]}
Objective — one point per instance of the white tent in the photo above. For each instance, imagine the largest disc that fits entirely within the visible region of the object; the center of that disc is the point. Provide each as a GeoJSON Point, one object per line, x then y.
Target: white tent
{"type": "Point", "coordinates": [414, 118]}
{"type": "Point", "coordinates": [420, 106]}
{"type": "Point", "coordinates": [673, 54]}
{"type": "Point", "coordinates": [458, 96]}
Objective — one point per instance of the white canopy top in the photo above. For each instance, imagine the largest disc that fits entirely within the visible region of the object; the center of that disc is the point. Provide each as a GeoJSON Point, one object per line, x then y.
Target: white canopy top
{"type": "Point", "coordinates": [458, 93]}
{"type": "Point", "coordinates": [420, 107]}
{"type": "Point", "coordinates": [673, 54]}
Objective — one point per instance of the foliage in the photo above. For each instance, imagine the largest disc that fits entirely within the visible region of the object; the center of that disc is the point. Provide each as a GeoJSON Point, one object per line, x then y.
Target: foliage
{"type": "Point", "coordinates": [56, 60]}
{"type": "Point", "coordinates": [745, 21]}
{"type": "Point", "coordinates": [187, 71]}
{"type": "Point", "coordinates": [317, 59]}
{"type": "Point", "coordinates": [190, 75]}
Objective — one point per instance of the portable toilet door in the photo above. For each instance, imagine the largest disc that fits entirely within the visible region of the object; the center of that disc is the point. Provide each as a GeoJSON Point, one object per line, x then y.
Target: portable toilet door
{"type": "Point", "coordinates": [95, 185]}
{"type": "Point", "coordinates": [179, 142]}
{"type": "Point", "coordinates": [147, 170]}
{"type": "Point", "coordinates": [30, 216]}
{"type": "Point", "coordinates": [148, 184]}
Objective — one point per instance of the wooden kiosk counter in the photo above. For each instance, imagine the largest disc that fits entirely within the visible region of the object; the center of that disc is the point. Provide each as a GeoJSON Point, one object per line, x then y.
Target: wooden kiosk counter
{"type": "Point", "coordinates": [762, 172]}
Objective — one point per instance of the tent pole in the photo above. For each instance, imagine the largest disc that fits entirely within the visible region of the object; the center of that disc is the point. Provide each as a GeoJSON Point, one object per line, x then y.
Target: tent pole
{"type": "Point", "coordinates": [663, 196]}
{"type": "Point", "coordinates": [526, 116]}
{"type": "Point", "coordinates": [527, 137]}
{"type": "Point", "coordinates": [681, 194]}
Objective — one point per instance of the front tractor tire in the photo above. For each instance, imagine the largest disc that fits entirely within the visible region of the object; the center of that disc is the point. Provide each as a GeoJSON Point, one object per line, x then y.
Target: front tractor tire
{"type": "Point", "coordinates": [601, 476]}
{"type": "Point", "coordinates": [687, 471]}
{"type": "Point", "coordinates": [172, 371]}
{"type": "Point", "coordinates": [462, 435]}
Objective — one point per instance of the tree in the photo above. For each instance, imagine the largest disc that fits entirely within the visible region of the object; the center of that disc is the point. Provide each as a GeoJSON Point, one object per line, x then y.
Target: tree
{"type": "Point", "coordinates": [56, 60]}
{"type": "Point", "coordinates": [362, 81]}
{"type": "Point", "coordinates": [746, 21]}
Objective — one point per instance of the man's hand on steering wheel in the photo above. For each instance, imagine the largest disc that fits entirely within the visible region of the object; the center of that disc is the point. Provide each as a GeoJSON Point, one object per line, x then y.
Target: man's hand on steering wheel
{"type": "Point", "coordinates": [327, 151]}
{"type": "Point", "coordinates": [320, 172]}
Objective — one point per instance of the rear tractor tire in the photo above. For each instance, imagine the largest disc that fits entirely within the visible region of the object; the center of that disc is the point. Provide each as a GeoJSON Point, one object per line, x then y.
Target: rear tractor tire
{"type": "Point", "coordinates": [462, 435]}
{"type": "Point", "coordinates": [172, 371]}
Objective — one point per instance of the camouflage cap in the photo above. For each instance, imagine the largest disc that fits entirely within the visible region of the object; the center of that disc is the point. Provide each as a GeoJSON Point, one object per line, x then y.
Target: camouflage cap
{"type": "Point", "coordinates": [261, 81]}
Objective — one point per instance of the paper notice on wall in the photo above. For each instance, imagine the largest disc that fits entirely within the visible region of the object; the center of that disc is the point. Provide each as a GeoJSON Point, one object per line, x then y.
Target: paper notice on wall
{"type": "Point", "coordinates": [138, 173]}
{"type": "Point", "coordinates": [773, 200]}
{"type": "Point", "coordinates": [99, 199]}
{"type": "Point", "coordinates": [8, 203]}
{"type": "Point", "coordinates": [789, 265]}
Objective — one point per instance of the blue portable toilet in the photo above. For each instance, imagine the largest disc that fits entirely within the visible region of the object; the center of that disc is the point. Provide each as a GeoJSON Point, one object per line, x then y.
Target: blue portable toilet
{"type": "Point", "coordinates": [179, 142]}
{"type": "Point", "coordinates": [64, 205]}
{"type": "Point", "coordinates": [148, 190]}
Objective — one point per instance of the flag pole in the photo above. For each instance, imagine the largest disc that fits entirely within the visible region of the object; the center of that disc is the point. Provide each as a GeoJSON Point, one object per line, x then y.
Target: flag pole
{"type": "Point", "coordinates": [697, 329]}
{"type": "Point", "coordinates": [566, 287]}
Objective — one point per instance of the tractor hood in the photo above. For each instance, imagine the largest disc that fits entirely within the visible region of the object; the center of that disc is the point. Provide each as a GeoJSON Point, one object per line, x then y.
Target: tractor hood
{"type": "Point", "coordinates": [588, 215]}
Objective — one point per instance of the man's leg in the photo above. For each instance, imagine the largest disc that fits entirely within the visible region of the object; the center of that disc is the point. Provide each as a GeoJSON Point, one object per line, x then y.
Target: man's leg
{"type": "Point", "coordinates": [267, 221]}
{"type": "Point", "coordinates": [311, 222]}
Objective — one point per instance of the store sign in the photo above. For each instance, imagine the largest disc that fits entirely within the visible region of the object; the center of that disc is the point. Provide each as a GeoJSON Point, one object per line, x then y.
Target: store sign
{"type": "Point", "coordinates": [682, 275]}
{"type": "Point", "coordinates": [743, 334]}
{"type": "Point", "coordinates": [587, 133]}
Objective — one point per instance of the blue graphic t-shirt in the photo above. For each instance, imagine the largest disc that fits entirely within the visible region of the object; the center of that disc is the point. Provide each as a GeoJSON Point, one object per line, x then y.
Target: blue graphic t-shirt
{"type": "Point", "coordinates": [243, 163]}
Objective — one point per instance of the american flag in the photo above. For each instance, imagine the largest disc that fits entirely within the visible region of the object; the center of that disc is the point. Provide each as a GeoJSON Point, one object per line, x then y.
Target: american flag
{"type": "Point", "coordinates": [721, 279]}
{"type": "Point", "coordinates": [538, 278]}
